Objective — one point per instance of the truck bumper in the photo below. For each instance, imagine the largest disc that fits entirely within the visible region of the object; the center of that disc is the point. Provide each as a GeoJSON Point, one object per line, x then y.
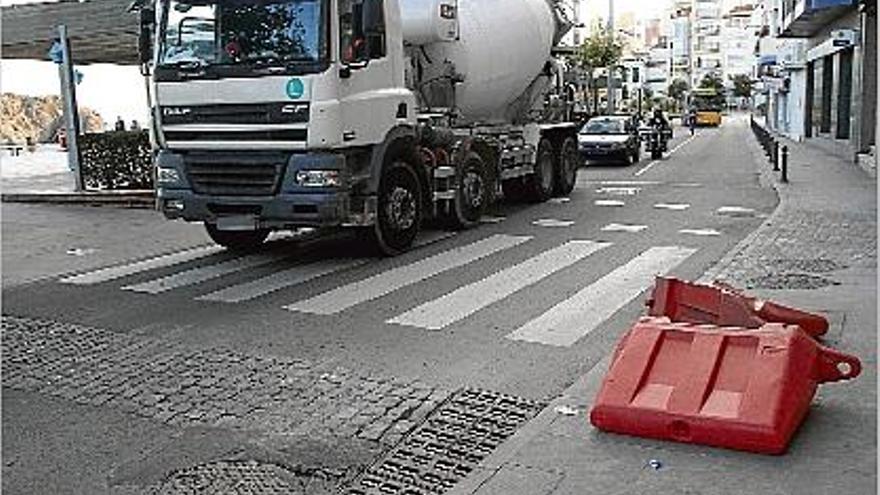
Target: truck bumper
{"type": "Point", "coordinates": [289, 206]}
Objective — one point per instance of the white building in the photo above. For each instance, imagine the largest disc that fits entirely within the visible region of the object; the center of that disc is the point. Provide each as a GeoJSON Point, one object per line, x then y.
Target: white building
{"type": "Point", "coordinates": [739, 33]}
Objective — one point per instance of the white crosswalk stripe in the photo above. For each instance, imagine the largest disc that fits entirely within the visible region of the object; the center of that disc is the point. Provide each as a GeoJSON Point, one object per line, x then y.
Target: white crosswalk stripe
{"type": "Point", "coordinates": [344, 297]}
{"type": "Point", "coordinates": [572, 319]}
{"type": "Point", "coordinates": [280, 280]}
{"type": "Point", "coordinates": [202, 274]}
{"type": "Point", "coordinates": [120, 271]}
{"type": "Point", "coordinates": [469, 299]}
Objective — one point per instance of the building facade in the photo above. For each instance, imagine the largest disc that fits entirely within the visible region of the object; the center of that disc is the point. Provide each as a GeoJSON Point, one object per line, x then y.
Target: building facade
{"type": "Point", "coordinates": [834, 68]}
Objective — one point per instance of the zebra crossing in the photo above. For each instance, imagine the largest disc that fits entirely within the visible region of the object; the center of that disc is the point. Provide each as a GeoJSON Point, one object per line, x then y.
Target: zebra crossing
{"type": "Point", "coordinates": [562, 325]}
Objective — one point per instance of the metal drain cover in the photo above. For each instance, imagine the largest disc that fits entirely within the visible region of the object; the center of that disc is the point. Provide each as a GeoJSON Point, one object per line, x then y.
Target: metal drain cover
{"type": "Point", "coordinates": [790, 281]}
{"type": "Point", "coordinates": [448, 445]}
{"type": "Point", "coordinates": [232, 477]}
{"type": "Point", "coordinates": [814, 265]}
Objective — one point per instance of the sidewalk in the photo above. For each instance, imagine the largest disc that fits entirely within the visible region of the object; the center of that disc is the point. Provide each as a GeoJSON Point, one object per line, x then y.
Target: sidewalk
{"type": "Point", "coordinates": [43, 177]}
{"type": "Point", "coordinates": [818, 251]}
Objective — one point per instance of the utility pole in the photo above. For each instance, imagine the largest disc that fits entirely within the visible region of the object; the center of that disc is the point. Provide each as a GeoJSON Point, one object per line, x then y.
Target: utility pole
{"type": "Point", "coordinates": [610, 68]}
{"type": "Point", "coordinates": [71, 114]}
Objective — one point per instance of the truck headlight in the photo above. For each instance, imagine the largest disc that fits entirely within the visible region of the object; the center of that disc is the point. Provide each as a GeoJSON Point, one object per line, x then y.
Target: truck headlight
{"type": "Point", "coordinates": [167, 176]}
{"type": "Point", "coordinates": [319, 178]}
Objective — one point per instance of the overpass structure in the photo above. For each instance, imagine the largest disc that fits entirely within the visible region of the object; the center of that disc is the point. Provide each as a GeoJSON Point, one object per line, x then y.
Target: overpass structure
{"type": "Point", "coordinates": [100, 31]}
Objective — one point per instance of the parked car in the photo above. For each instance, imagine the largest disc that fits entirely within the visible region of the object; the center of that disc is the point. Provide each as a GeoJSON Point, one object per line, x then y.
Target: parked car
{"type": "Point", "coordinates": [610, 137]}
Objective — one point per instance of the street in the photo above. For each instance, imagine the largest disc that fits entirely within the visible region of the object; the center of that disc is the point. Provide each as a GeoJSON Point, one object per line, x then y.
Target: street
{"type": "Point", "coordinates": [140, 358]}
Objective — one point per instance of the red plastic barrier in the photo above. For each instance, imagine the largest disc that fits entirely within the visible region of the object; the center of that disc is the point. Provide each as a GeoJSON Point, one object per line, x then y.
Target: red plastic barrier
{"type": "Point", "coordinates": [723, 305]}
{"type": "Point", "coordinates": [726, 387]}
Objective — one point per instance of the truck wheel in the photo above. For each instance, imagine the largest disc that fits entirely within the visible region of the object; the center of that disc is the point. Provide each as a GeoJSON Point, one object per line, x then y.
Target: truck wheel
{"type": "Point", "coordinates": [472, 193]}
{"type": "Point", "coordinates": [566, 173]}
{"type": "Point", "coordinates": [540, 184]}
{"type": "Point", "coordinates": [237, 240]}
{"type": "Point", "coordinates": [399, 210]}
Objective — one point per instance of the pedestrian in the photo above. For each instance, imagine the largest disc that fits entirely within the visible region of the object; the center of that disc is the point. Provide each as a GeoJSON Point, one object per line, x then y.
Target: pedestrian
{"type": "Point", "coordinates": [135, 125]}
{"type": "Point", "coordinates": [120, 124]}
{"type": "Point", "coordinates": [692, 120]}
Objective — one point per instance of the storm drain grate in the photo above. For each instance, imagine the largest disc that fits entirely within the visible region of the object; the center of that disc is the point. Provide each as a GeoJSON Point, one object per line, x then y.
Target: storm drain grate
{"type": "Point", "coordinates": [448, 445]}
{"type": "Point", "coordinates": [237, 477]}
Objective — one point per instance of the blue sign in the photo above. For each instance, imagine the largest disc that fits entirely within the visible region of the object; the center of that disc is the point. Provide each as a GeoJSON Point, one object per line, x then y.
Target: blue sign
{"type": "Point", "coordinates": [56, 52]}
{"type": "Point", "coordinates": [295, 88]}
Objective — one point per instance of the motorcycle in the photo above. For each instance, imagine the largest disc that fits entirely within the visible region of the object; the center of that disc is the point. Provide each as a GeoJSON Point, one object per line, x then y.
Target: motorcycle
{"type": "Point", "coordinates": [657, 141]}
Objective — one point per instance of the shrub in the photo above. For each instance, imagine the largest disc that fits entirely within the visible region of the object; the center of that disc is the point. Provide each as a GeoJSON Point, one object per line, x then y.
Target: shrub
{"type": "Point", "coordinates": [116, 160]}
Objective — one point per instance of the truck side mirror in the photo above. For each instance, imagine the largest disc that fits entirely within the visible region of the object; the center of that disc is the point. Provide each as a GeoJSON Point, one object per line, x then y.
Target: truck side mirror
{"type": "Point", "coordinates": [145, 34]}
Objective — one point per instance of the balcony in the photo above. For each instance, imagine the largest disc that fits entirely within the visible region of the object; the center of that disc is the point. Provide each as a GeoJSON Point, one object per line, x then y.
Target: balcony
{"type": "Point", "coordinates": [804, 18]}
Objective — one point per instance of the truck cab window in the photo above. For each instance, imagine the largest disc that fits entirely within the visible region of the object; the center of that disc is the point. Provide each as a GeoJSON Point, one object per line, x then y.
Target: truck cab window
{"type": "Point", "coordinates": [361, 30]}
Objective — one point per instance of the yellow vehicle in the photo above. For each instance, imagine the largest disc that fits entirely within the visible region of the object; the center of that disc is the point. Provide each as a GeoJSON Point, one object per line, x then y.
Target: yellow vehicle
{"type": "Point", "coordinates": [708, 103]}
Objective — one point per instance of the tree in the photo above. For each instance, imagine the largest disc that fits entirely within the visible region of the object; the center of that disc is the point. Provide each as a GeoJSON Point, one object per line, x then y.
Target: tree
{"type": "Point", "coordinates": [677, 89]}
{"type": "Point", "coordinates": [742, 85]}
{"type": "Point", "coordinates": [712, 81]}
{"type": "Point", "coordinates": [597, 51]}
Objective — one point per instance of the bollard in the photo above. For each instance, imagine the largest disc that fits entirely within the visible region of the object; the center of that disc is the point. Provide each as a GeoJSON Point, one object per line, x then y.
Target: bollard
{"type": "Point", "coordinates": [775, 156]}
{"type": "Point", "coordinates": [785, 164]}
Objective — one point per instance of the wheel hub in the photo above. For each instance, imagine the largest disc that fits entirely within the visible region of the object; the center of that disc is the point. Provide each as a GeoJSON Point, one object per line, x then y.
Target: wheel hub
{"type": "Point", "coordinates": [472, 189]}
{"type": "Point", "coordinates": [401, 209]}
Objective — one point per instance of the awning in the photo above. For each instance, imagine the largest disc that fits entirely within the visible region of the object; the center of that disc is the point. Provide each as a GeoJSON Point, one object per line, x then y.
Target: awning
{"type": "Point", "coordinates": [809, 16]}
{"type": "Point", "coordinates": [100, 31]}
{"type": "Point", "coordinates": [767, 60]}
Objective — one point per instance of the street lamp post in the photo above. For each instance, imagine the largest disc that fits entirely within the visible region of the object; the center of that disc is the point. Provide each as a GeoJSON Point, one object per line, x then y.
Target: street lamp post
{"type": "Point", "coordinates": [610, 82]}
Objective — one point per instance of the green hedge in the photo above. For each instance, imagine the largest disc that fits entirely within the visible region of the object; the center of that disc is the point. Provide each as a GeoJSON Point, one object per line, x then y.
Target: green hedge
{"type": "Point", "coordinates": [116, 160]}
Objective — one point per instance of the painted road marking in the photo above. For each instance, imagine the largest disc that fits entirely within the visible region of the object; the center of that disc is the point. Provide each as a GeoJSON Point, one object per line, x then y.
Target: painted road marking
{"type": "Point", "coordinates": [672, 206]}
{"type": "Point", "coordinates": [646, 167]}
{"type": "Point", "coordinates": [735, 211]}
{"type": "Point", "coordinates": [201, 274]}
{"type": "Point", "coordinates": [552, 222]}
{"type": "Point", "coordinates": [280, 280]}
{"type": "Point", "coordinates": [119, 271]}
{"type": "Point", "coordinates": [608, 202]}
{"type": "Point", "coordinates": [469, 299]}
{"type": "Point", "coordinates": [342, 298]}
{"type": "Point", "coordinates": [700, 232]}
{"type": "Point", "coordinates": [619, 191]}
{"type": "Point", "coordinates": [488, 219]}
{"type": "Point", "coordinates": [621, 227]}
{"type": "Point", "coordinates": [673, 150]}
{"type": "Point", "coordinates": [577, 316]}
{"type": "Point", "coordinates": [559, 201]}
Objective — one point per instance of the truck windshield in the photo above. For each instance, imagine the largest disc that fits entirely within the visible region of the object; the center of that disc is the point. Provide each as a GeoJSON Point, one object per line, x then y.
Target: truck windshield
{"type": "Point", "coordinates": [236, 33]}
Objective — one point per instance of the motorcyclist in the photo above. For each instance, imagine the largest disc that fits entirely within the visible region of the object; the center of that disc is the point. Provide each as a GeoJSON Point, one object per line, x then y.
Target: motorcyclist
{"type": "Point", "coordinates": [659, 122]}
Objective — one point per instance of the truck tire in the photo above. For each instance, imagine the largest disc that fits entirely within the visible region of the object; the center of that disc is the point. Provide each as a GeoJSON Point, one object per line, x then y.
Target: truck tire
{"type": "Point", "coordinates": [472, 193]}
{"type": "Point", "coordinates": [566, 173]}
{"type": "Point", "coordinates": [399, 210]}
{"type": "Point", "coordinates": [540, 184]}
{"type": "Point", "coordinates": [237, 240]}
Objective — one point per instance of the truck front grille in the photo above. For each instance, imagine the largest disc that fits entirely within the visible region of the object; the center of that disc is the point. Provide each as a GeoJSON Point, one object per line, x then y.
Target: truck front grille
{"type": "Point", "coordinates": [298, 135]}
{"type": "Point", "coordinates": [252, 174]}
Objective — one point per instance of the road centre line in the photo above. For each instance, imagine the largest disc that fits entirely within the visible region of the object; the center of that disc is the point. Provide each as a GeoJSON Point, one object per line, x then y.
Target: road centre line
{"type": "Point", "coordinates": [673, 150]}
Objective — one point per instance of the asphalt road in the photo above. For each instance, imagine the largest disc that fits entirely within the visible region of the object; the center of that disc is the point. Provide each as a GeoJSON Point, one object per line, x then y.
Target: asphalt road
{"type": "Point", "coordinates": [522, 305]}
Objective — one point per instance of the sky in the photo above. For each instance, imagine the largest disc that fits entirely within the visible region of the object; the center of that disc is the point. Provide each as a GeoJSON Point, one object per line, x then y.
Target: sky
{"type": "Point", "coordinates": [120, 91]}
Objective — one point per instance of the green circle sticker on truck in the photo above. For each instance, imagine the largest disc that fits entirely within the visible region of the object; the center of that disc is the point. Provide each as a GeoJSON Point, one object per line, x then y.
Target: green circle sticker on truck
{"type": "Point", "coordinates": [295, 88]}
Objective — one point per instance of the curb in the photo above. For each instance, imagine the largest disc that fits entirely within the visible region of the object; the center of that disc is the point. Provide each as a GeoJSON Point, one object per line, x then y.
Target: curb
{"type": "Point", "coordinates": [124, 199]}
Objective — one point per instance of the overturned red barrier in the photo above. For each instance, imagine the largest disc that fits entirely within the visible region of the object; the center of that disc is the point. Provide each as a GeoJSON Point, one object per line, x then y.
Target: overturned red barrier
{"type": "Point", "coordinates": [723, 305]}
{"type": "Point", "coordinates": [725, 387]}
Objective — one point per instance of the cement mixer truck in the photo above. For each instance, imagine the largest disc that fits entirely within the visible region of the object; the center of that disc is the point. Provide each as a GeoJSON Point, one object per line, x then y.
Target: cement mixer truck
{"type": "Point", "coordinates": [375, 115]}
